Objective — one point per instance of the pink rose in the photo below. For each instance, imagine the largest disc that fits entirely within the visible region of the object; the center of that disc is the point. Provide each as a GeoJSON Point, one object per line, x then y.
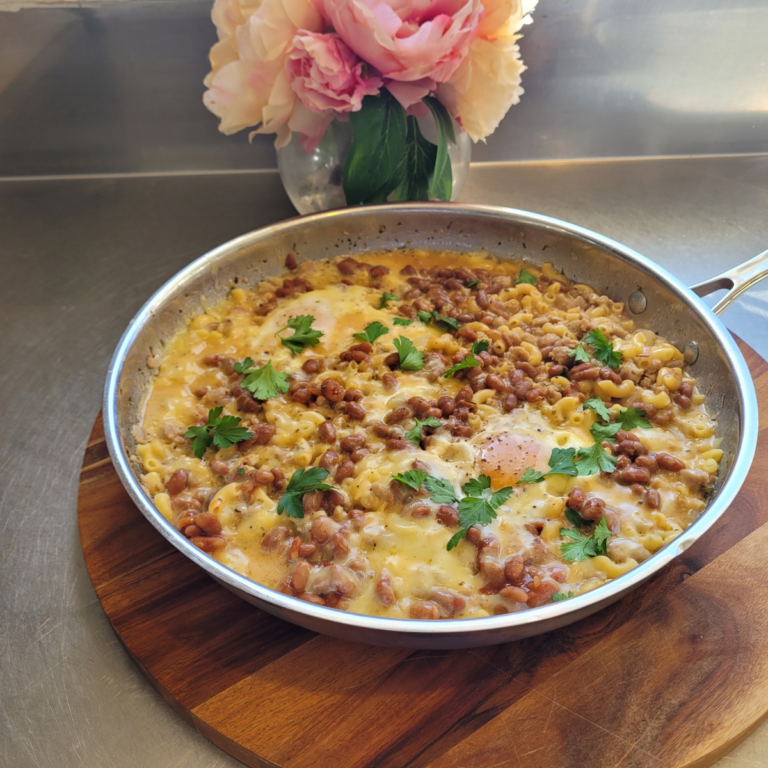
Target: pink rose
{"type": "Point", "coordinates": [326, 75]}
{"type": "Point", "coordinates": [414, 42]}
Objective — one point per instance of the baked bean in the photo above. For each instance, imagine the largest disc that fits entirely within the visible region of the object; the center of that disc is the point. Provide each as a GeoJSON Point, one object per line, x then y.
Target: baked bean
{"type": "Point", "coordinates": [516, 594]}
{"type": "Point", "coordinates": [478, 381]}
{"type": "Point", "coordinates": [312, 501]}
{"type": "Point", "coordinates": [329, 460]}
{"type": "Point", "coordinates": [193, 530]}
{"type": "Point", "coordinates": [354, 355]}
{"type": "Point", "coordinates": [278, 478]}
{"type": "Point", "coordinates": [379, 271]}
{"type": "Point", "coordinates": [326, 432]}
{"type": "Point", "coordinates": [468, 334]}
{"type": "Point", "coordinates": [607, 374]}
{"type": "Point", "coordinates": [419, 406]}
{"type": "Point", "coordinates": [352, 442]}
{"type": "Point", "coordinates": [301, 575]}
{"type": "Point", "coordinates": [527, 368]}
{"type": "Point", "coordinates": [307, 550]}
{"type": "Point", "coordinates": [623, 460]}
{"type": "Point", "coordinates": [340, 545]}
{"type": "Point", "coordinates": [322, 528]}
{"type": "Point", "coordinates": [458, 429]}
{"type": "Point", "coordinates": [650, 410]}
{"type": "Point", "coordinates": [686, 389]}
{"type": "Point", "coordinates": [389, 381]}
{"type": "Point", "coordinates": [397, 415]}
{"type": "Point", "coordinates": [555, 370]}
{"type": "Point", "coordinates": [348, 266]}
{"type": "Point", "coordinates": [334, 498]}
{"type": "Point", "coordinates": [308, 597]}
{"type": "Point", "coordinates": [311, 366]}
{"type": "Point", "coordinates": [177, 482]}
{"type": "Point", "coordinates": [261, 477]}
{"type": "Point", "coordinates": [497, 383]}
{"type": "Point", "coordinates": [465, 395]}
{"type": "Point", "coordinates": [186, 518]}
{"type": "Point", "coordinates": [576, 499]}
{"type": "Point", "coordinates": [209, 543]}
{"type": "Point", "coordinates": [510, 402]}
{"type": "Point", "coordinates": [184, 503]}
{"type": "Point", "coordinates": [359, 454]}
{"type": "Point", "coordinates": [514, 570]}
{"type": "Point", "coordinates": [647, 462]}
{"type": "Point", "coordinates": [584, 372]}
{"type": "Point", "coordinates": [384, 591]}
{"type": "Point", "coordinates": [418, 510]}
{"type": "Point", "coordinates": [353, 395]}
{"type": "Point", "coordinates": [220, 468]}
{"type": "Point", "coordinates": [481, 297]}
{"type": "Point", "coordinates": [446, 404]}
{"type": "Point", "coordinates": [652, 498]}
{"type": "Point", "coordinates": [683, 401]}
{"type": "Point", "coordinates": [346, 469]}
{"type": "Point", "coordinates": [274, 538]}
{"type": "Point", "coordinates": [621, 436]}
{"type": "Point", "coordinates": [379, 429]}
{"type": "Point", "coordinates": [491, 569]}
{"type": "Point", "coordinates": [424, 609]}
{"type": "Point", "coordinates": [262, 433]}
{"type": "Point", "coordinates": [342, 580]}
{"type": "Point", "coordinates": [593, 509]}
{"type": "Point", "coordinates": [670, 463]}
{"type": "Point", "coordinates": [451, 602]}
{"type": "Point", "coordinates": [408, 270]}
{"type": "Point", "coordinates": [637, 489]}
{"type": "Point", "coordinates": [542, 594]}
{"type": "Point", "coordinates": [332, 390]}
{"type": "Point", "coordinates": [395, 444]}
{"type": "Point", "coordinates": [290, 261]}
{"type": "Point", "coordinates": [632, 474]}
{"type": "Point", "coordinates": [632, 448]}
{"type": "Point", "coordinates": [447, 515]}
{"type": "Point", "coordinates": [355, 411]}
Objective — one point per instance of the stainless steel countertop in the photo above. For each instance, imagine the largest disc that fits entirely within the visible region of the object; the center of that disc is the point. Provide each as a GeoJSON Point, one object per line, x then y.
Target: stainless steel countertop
{"type": "Point", "coordinates": [78, 257]}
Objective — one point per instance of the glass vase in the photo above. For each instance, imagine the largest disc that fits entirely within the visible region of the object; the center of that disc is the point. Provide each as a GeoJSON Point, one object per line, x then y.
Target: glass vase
{"type": "Point", "coordinates": [313, 181]}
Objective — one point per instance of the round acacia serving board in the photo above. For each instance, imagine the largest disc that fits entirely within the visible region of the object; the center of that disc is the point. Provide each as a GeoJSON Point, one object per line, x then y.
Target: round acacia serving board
{"type": "Point", "coordinates": [673, 675]}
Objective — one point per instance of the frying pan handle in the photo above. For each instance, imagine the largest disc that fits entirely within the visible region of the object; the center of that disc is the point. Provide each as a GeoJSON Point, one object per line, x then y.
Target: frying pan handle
{"type": "Point", "coordinates": [735, 281]}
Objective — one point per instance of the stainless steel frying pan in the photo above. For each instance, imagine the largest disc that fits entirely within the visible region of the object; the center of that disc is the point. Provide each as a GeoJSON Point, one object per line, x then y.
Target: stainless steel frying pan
{"type": "Point", "coordinates": [655, 298]}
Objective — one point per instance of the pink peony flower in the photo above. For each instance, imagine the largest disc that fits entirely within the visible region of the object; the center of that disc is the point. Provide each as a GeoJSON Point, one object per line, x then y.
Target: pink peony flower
{"type": "Point", "coordinates": [326, 75]}
{"type": "Point", "coordinates": [414, 42]}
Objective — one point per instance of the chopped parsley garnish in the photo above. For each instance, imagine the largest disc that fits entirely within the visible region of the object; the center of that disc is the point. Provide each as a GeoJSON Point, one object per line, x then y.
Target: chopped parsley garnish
{"type": "Point", "coordinates": [561, 462]}
{"type": "Point", "coordinates": [240, 471]}
{"type": "Point", "coordinates": [580, 548]}
{"type": "Point", "coordinates": [579, 354]}
{"type": "Point", "coordinates": [447, 320]}
{"type": "Point", "coordinates": [604, 351]}
{"type": "Point", "coordinates": [595, 459]}
{"type": "Point", "coordinates": [264, 382]}
{"type": "Point", "coordinates": [386, 298]}
{"type": "Point", "coordinates": [470, 361]}
{"type": "Point", "coordinates": [425, 317]}
{"type": "Point", "coordinates": [414, 435]}
{"type": "Point", "coordinates": [574, 518]}
{"type": "Point", "coordinates": [629, 418]}
{"type": "Point", "coordinates": [558, 596]}
{"type": "Point", "coordinates": [526, 277]}
{"type": "Point", "coordinates": [222, 431]}
{"type": "Point", "coordinates": [411, 359]}
{"type": "Point", "coordinates": [440, 491]}
{"type": "Point", "coordinates": [604, 431]}
{"type": "Point", "coordinates": [481, 345]}
{"type": "Point", "coordinates": [473, 283]}
{"type": "Point", "coordinates": [372, 331]}
{"type": "Point", "coordinates": [402, 321]}
{"type": "Point", "coordinates": [303, 334]}
{"type": "Point", "coordinates": [599, 407]}
{"type": "Point", "coordinates": [302, 481]}
{"type": "Point", "coordinates": [413, 478]}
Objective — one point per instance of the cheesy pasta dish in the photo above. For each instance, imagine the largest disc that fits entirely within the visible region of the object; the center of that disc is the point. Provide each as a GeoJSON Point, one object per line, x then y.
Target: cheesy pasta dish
{"type": "Point", "coordinates": [425, 435]}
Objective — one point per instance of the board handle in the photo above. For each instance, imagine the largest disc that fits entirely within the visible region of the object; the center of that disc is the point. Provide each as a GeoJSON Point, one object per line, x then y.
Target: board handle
{"type": "Point", "coordinates": [735, 281]}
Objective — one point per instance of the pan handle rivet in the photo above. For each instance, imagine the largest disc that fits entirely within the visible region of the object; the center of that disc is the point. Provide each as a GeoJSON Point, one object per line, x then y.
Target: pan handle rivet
{"type": "Point", "coordinates": [691, 352]}
{"type": "Point", "coordinates": [637, 302]}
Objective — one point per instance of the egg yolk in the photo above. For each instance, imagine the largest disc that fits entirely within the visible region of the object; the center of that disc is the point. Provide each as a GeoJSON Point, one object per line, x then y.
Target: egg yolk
{"type": "Point", "coordinates": [505, 457]}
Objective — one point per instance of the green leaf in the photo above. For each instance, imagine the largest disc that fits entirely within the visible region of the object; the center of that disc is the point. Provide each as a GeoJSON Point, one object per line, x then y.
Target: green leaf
{"type": "Point", "coordinates": [414, 435]}
{"type": "Point", "coordinates": [374, 163]}
{"type": "Point", "coordinates": [588, 546]}
{"type": "Point", "coordinates": [264, 382]}
{"type": "Point", "coordinates": [221, 431]}
{"type": "Point", "coordinates": [579, 354]}
{"type": "Point", "coordinates": [481, 345]}
{"type": "Point", "coordinates": [441, 183]}
{"type": "Point", "coordinates": [530, 476]}
{"type": "Point", "coordinates": [456, 538]}
{"type": "Point", "coordinates": [604, 431]}
{"type": "Point", "coordinates": [526, 277]}
{"type": "Point", "coordinates": [561, 462]}
{"type": "Point", "coordinates": [601, 534]}
{"type": "Point", "coordinates": [599, 407]}
{"type": "Point", "coordinates": [477, 486]}
{"type": "Point", "coordinates": [604, 351]}
{"type": "Point", "coordinates": [472, 283]}
{"type": "Point", "coordinates": [417, 166]}
{"type": "Point", "coordinates": [470, 361]}
{"type": "Point", "coordinates": [303, 334]}
{"type": "Point", "coordinates": [386, 297]}
{"type": "Point", "coordinates": [402, 321]}
{"type": "Point", "coordinates": [574, 518]}
{"type": "Point", "coordinates": [425, 317]}
{"type": "Point", "coordinates": [240, 471]}
{"type": "Point", "coordinates": [595, 459]}
{"type": "Point", "coordinates": [447, 320]}
{"type": "Point", "coordinates": [474, 510]}
{"type": "Point", "coordinates": [302, 481]}
{"type": "Point", "coordinates": [558, 596]}
{"type": "Point", "coordinates": [372, 332]}
{"type": "Point", "coordinates": [630, 418]}
{"type": "Point", "coordinates": [440, 491]}
{"type": "Point", "coordinates": [411, 359]}
{"type": "Point", "coordinates": [413, 478]}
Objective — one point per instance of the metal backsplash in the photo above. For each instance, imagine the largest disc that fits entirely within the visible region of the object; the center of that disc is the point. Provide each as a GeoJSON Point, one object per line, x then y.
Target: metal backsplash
{"type": "Point", "coordinates": [117, 88]}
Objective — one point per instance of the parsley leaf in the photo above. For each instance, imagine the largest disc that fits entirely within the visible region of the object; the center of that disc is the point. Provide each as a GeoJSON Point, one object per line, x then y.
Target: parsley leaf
{"type": "Point", "coordinates": [530, 475]}
{"type": "Point", "coordinates": [579, 354]}
{"type": "Point", "coordinates": [240, 471]}
{"type": "Point", "coordinates": [588, 546]}
{"type": "Point", "coordinates": [372, 332]}
{"type": "Point", "coordinates": [472, 283]}
{"type": "Point", "coordinates": [574, 518]}
{"type": "Point", "coordinates": [481, 345]}
{"type": "Point", "coordinates": [558, 596]}
{"type": "Point", "coordinates": [478, 510]}
{"type": "Point", "coordinates": [599, 407]}
{"type": "Point", "coordinates": [302, 481]}
{"type": "Point", "coordinates": [386, 298]}
{"type": "Point", "coordinates": [526, 277]}
{"type": "Point", "coordinates": [447, 320]}
{"type": "Point", "coordinates": [470, 361]}
{"type": "Point", "coordinates": [440, 491]}
{"type": "Point", "coordinates": [595, 459]}
{"type": "Point", "coordinates": [477, 486]}
{"type": "Point", "coordinates": [604, 351]}
{"type": "Point", "coordinates": [425, 317]}
{"type": "Point", "coordinates": [629, 418]}
{"type": "Point", "coordinates": [220, 430]}
{"type": "Point", "coordinates": [411, 359]}
{"type": "Point", "coordinates": [561, 462]}
{"type": "Point", "coordinates": [414, 435]}
{"type": "Point", "coordinates": [413, 478]}
{"type": "Point", "coordinates": [264, 382]}
{"type": "Point", "coordinates": [303, 334]}
{"type": "Point", "coordinates": [604, 431]}
{"type": "Point", "coordinates": [402, 321]}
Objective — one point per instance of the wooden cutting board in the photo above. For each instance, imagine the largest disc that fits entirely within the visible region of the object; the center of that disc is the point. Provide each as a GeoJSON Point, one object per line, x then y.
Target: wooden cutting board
{"type": "Point", "coordinates": [675, 674]}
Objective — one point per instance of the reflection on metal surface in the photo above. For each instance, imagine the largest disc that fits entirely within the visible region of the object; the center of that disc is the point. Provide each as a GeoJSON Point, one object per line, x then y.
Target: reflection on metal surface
{"type": "Point", "coordinates": [637, 302]}
{"type": "Point", "coordinates": [691, 352]}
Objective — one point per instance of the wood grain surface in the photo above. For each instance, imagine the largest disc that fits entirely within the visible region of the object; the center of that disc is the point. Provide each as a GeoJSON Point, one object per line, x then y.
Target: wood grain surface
{"type": "Point", "coordinates": [673, 675]}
